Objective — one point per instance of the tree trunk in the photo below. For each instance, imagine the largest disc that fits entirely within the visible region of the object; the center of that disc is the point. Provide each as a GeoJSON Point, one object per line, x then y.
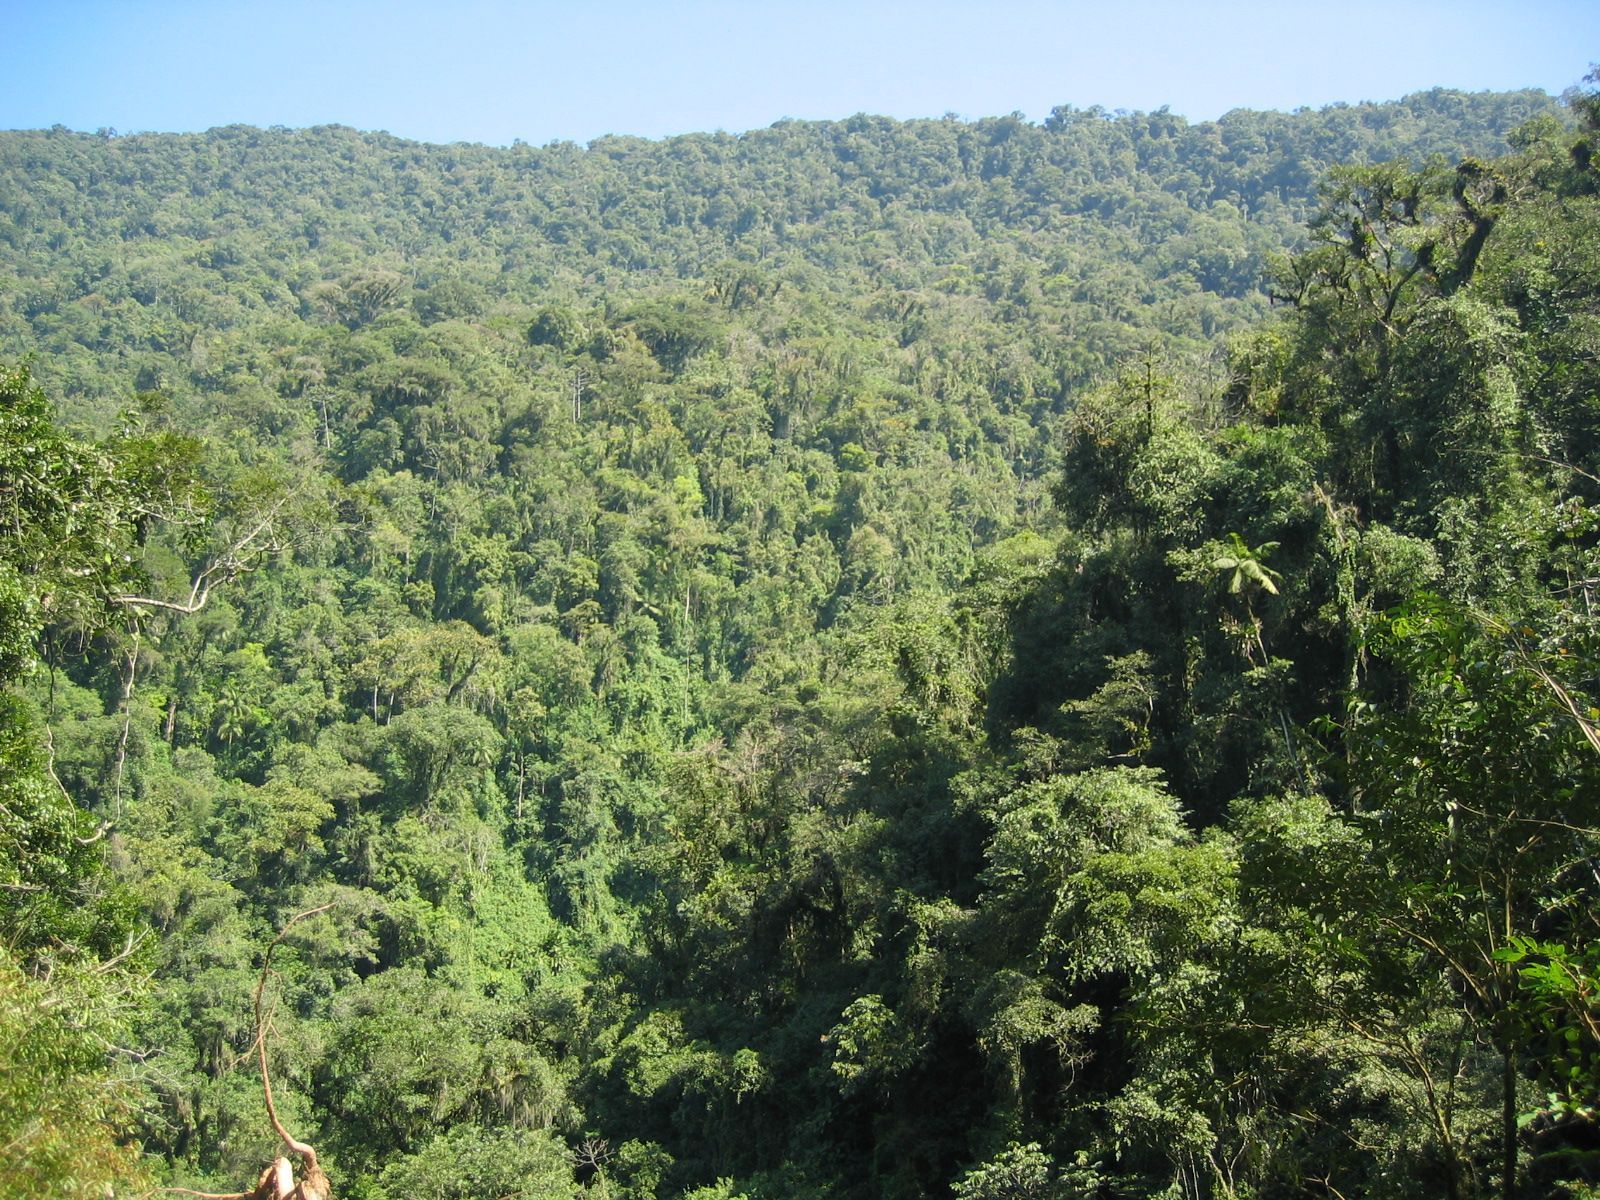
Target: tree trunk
{"type": "Point", "coordinates": [1508, 1121]}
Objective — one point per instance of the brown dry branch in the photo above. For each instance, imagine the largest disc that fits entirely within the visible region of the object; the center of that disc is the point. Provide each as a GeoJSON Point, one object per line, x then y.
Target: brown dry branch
{"type": "Point", "coordinates": [313, 1184]}
{"type": "Point", "coordinates": [277, 1181]}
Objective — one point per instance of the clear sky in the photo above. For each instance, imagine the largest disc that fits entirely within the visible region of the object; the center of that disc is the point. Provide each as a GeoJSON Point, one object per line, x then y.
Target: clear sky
{"type": "Point", "coordinates": [494, 71]}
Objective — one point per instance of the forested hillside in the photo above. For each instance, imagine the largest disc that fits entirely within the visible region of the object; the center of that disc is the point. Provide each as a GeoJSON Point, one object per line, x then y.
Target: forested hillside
{"type": "Point", "coordinates": [861, 659]}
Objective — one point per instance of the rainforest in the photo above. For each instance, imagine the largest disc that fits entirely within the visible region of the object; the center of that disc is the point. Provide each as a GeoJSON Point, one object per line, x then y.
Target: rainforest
{"type": "Point", "coordinates": [862, 659]}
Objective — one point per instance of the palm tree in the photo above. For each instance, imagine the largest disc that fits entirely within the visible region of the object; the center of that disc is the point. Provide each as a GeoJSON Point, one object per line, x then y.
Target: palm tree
{"type": "Point", "coordinates": [1246, 574]}
{"type": "Point", "coordinates": [1246, 569]}
{"type": "Point", "coordinates": [232, 714]}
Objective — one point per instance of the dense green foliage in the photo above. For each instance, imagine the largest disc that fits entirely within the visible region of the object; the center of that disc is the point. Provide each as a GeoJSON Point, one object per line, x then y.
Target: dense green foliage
{"type": "Point", "coordinates": [805, 663]}
{"type": "Point", "coordinates": [67, 940]}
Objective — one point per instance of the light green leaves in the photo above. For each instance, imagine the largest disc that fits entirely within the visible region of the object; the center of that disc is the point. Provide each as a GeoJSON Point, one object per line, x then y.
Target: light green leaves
{"type": "Point", "coordinates": [1243, 568]}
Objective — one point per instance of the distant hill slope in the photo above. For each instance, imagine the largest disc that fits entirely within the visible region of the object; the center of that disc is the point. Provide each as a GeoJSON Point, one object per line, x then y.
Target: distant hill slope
{"type": "Point", "coordinates": [108, 245]}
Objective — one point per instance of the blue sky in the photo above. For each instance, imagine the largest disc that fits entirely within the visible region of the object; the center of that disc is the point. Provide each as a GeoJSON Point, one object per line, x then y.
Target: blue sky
{"type": "Point", "coordinates": [488, 71]}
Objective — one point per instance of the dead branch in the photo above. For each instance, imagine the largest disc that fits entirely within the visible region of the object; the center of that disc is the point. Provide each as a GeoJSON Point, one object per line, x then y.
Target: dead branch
{"type": "Point", "coordinates": [313, 1184]}
{"type": "Point", "coordinates": [130, 946]}
{"type": "Point", "coordinates": [127, 714]}
{"type": "Point", "coordinates": [245, 555]}
{"type": "Point", "coordinates": [276, 1183]}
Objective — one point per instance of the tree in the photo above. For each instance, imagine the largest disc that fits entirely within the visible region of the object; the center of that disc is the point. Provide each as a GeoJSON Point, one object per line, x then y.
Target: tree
{"type": "Point", "coordinates": [1245, 573]}
{"type": "Point", "coordinates": [1473, 810]}
{"type": "Point", "coordinates": [67, 941]}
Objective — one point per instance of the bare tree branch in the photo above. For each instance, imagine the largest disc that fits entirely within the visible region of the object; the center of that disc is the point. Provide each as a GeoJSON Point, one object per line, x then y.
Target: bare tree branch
{"type": "Point", "coordinates": [245, 554]}
{"type": "Point", "coordinates": [314, 1183]}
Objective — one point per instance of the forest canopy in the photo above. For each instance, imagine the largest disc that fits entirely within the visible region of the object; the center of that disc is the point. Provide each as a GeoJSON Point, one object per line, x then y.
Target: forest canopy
{"type": "Point", "coordinates": [860, 659]}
